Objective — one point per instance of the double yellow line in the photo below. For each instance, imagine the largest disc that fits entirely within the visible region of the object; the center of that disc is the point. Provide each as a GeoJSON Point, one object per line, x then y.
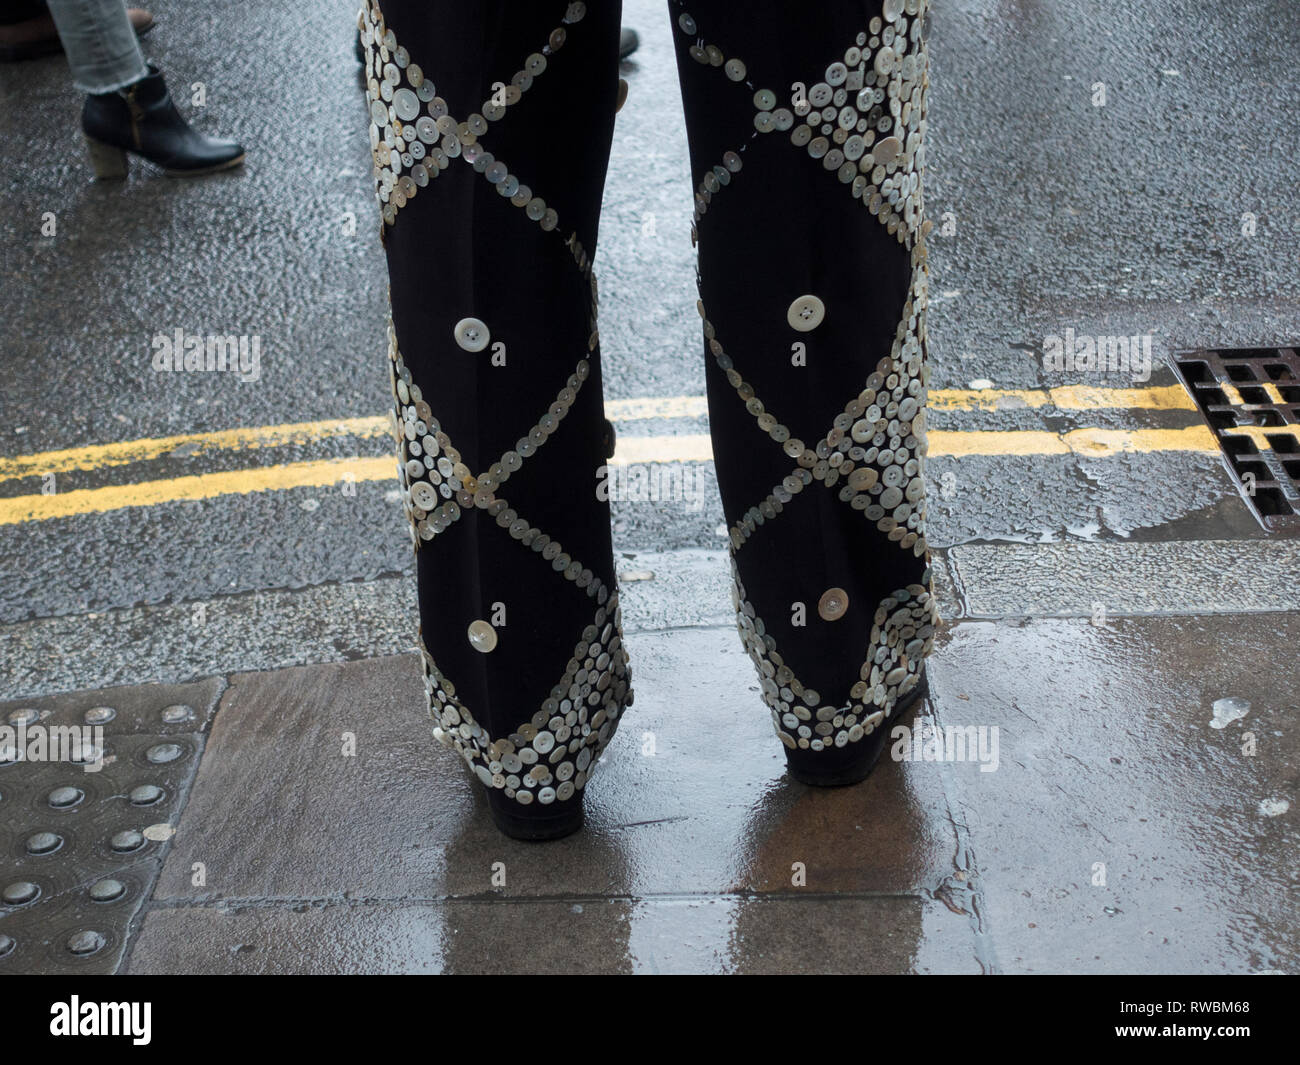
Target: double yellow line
{"type": "Point", "coordinates": [324, 473]}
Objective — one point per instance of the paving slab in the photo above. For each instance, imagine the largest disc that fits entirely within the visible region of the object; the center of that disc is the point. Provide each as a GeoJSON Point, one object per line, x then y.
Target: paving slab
{"type": "Point", "coordinates": [1122, 831]}
{"type": "Point", "coordinates": [692, 798]}
{"type": "Point", "coordinates": [815, 935]}
{"type": "Point", "coordinates": [1087, 579]}
{"type": "Point", "coordinates": [338, 621]}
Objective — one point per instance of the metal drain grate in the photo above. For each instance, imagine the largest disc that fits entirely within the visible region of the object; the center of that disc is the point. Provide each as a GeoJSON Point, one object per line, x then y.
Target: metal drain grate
{"type": "Point", "coordinates": [1251, 399]}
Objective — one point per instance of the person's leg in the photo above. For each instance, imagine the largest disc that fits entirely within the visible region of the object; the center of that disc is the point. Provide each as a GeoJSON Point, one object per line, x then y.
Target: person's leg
{"type": "Point", "coordinates": [27, 29]}
{"type": "Point", "coordinates": [100, 42]}
{"type": "Point", "coordinates": [491, 123]}
{"type": "Point", "coordinates": [806, 132]}
{"type": "Point", "coordinates": [128, 108]}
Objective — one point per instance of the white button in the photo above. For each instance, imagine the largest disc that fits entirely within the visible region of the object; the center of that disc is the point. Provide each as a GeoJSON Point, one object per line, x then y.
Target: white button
{"type": "Point", "coordinates": [423, 495]}
{"type": "Point", "coordinates": [482, 636]}
{"type": "Point", "coordinates": [886, 150]}
{"type": "Point", "coordinates": [405, 104]}
{"type": "Point", "coordinates": [831, 607]}
{"type": "Point", "coordinates": [472, 335]}
{"type": "Point", "coordinates": [806, 313]}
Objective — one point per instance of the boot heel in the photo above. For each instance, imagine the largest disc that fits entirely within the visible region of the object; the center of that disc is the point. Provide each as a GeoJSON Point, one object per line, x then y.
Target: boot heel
{"type": "Point", "coordinates": [105, 160]}
{"type": "Point", "coordinates": [852, 763]}
{"type": "Point", "coordinates": [563, 819]}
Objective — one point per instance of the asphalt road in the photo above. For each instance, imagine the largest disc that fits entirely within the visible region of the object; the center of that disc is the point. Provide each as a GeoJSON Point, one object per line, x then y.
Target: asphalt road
{"type": "Point", "coordinates": [1053, 211]}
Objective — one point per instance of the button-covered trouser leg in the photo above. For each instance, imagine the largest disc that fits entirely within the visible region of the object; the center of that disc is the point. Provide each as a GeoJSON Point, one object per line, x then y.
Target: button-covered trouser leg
{"type": "Point", "coordinates": [806, 124]}
{"type": "Point", "coordinates": [491, 124]}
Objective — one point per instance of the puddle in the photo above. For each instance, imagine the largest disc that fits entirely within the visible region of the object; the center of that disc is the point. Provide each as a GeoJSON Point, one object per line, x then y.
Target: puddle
{"type": "Point", "coordinates": [1226, 711]}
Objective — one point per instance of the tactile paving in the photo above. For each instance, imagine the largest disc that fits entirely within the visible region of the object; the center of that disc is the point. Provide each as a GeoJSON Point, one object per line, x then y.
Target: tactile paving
{"type": "Point", "coordinates": [79, 849]}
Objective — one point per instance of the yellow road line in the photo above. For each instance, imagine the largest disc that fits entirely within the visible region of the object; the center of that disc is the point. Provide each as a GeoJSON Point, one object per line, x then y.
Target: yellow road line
{"type": "Point", "coordinates": [635, 449]}
{"type": "Point", "coordinates": [320, 474]}
{"type": "Point", "coordinates": [638, 450]}
{"type": "Point", "coordinates": [1230, 390]}
{"type": "Point", "coordinates": [1092, 442]}
{"type": "Point", "coordinates": [1104, 442]}
{"type": "Point", "coordinates": [1259, 436]}
{"type": "Point", "coordinates": [99, 456]}
{"type": "Point", "coordinates": [627, 410]}
{"type": "Point", "coordinates": [1089, 442]}
{"type": "Point", "coordinates": [1069, 397]}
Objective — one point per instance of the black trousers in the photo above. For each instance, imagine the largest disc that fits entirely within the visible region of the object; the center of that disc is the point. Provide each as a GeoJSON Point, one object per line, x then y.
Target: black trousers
{"type": "Point", "coordinates": [491, 129]}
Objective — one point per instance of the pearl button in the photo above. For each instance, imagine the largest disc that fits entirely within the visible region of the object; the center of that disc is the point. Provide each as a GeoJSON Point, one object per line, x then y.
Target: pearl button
{"type": "Point", "coordinates": [471, 334]}
{"type": "Point", "coordinates": [806, 313]}
{"type": "Point", "coordinates": [832, 604]}
{"type": "Point", "coordinates": [863, 478]}
{"type": "Point", "coordinates": [423, 495]}
{"type": "Point", "coordinates": [406, 104]}
{"type": "Point", "coordinates": [886, 151]}
{"type": "Point", "coordinates": [482, 636]}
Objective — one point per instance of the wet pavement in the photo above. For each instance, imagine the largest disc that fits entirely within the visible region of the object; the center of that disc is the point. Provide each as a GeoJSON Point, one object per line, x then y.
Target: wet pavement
{"type": "Point", "coordinates": [223, 562]}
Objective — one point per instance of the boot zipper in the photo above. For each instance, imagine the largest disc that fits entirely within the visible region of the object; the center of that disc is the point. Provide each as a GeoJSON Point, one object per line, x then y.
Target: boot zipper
{"type": "Point", "coordinates": [136, 112]}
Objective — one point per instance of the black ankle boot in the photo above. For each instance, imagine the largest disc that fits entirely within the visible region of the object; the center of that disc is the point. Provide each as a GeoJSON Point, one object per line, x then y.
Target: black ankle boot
{"type": "Point", "coordinates": [511, 819]}
{"type": "Point", "coordinates": [837, 766]}
{"type": "Point", "coordinates": [143, 120]}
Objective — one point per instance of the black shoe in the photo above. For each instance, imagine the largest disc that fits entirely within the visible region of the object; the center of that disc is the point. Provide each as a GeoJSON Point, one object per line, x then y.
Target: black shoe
{"type": "Point", "coordinates": [628, 42]}
{"type": "Point", "coordinates": [143, 120]}
{"type": "Point", "coordinates": [853, 762]}
{"type": "Point", "coordinates": [535, 822]}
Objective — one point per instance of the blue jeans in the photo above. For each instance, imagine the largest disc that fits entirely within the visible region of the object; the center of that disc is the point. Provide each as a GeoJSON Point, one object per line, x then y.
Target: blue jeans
{"type": "Point", "coordinates": [100, 44]}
